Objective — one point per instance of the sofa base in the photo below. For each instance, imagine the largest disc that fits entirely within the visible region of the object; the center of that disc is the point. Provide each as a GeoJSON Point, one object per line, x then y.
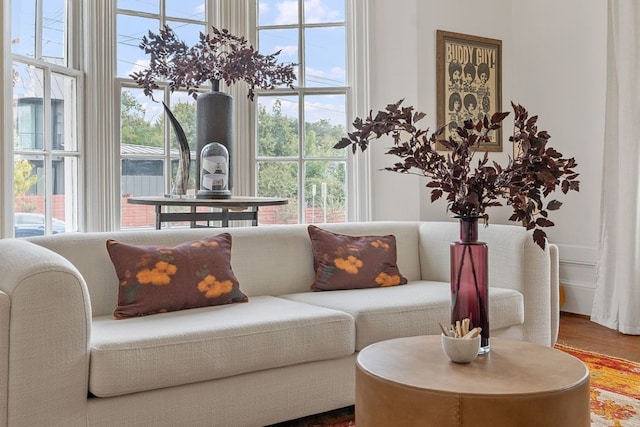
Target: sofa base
{"type": "Point", "coordinates": [253, 399]}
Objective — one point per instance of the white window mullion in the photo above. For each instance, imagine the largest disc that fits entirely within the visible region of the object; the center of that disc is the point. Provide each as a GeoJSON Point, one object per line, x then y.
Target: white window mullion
{"type": "Point", "coordinates": [301, 159]}
{"type": "Point", "coordinates": [359, 170]}
{"type": "Point", "coordinates": [38, 34]}
{"type": "Point", "coordinates": [47, 145]}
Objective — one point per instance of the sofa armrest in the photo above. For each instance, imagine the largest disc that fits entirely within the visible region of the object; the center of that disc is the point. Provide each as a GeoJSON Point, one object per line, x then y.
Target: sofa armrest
{"type": "Point", "coordinates": [515, 262]}
{"type": "Point", "coordinates": [48, 332]}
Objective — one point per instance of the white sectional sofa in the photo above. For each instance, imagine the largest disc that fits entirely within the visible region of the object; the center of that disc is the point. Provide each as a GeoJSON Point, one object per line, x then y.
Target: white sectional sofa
{"type": "Point", "coordinates": [286, 353]}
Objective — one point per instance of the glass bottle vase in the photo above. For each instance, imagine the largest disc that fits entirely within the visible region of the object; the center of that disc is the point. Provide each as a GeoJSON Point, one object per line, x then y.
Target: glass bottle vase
{"type": "Point", "coordinates": [470, 280]}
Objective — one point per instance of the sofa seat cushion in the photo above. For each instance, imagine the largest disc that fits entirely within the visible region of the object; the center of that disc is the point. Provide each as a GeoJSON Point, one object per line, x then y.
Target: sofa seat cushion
{"type": "Point", "coordinates": [170, 349]}
{"type": "Point", "coordinates": [412, 309]}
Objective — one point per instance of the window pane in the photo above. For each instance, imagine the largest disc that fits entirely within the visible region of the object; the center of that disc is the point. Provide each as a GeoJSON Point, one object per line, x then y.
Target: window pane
{"type": "Point", "coordinates": [183, 108]}
{"type": "Point", "coordinates": [278, 179]}
{"type": "Point", "coordinates": [130, 30]}
{"type": "Point", "coordinates": [189, 33]}
{"type": "Point", "coordinates": [63, 113]}
{"type": "Point", "coordinates": [325, 192]}
{"type": "Point", "coordinates": [324, 124]}
{"type": "Point", "coordinates": [140, 177]}
{"type": "Point", "coordinates": [53, 31]}
{"type": "Point", "coordinates": [319, 11]}
{"type": "Point", "coordinates": [30, 201]}
{"type": "Point", "coordinates": [141, 124]}
{"type": "Point", "coordinates": [277, 126]}
{"type": "Point", "coordinates": [277, 12]}
{"type": "Point", "coordinates": [64, 205]}
{"type": "Point", "coordinates": [23, 27]}
{"type": "Point", "coordinates": [189, 9]}
{"type": "Point", "coordinates": [28, 115]}
{"type": "Point", "coordinates": [325, 57]}
{"type": "Point", "coordinates": [151, 6]}
{"type": "Point", "coordinates": [285, 41]}
{"type": "Point", "coordinates": [28, 178]}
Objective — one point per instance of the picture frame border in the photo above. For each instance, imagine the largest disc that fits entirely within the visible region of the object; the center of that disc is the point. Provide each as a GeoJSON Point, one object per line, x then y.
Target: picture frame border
{"type": "Point", "coordinates": [442, 39]}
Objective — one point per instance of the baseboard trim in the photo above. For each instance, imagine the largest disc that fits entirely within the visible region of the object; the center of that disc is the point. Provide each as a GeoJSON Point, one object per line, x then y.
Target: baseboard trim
{"type": "Point", "coordinates": [578, 298]}
{"type": "Point", "coordinates": [578, 268]}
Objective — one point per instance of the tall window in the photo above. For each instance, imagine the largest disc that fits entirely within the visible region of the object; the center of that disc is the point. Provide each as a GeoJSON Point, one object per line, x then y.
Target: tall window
{"type": "Point", "coordinates": [296, 130]}
{"type": "Point", "coordinates": [148, 148]}
{"type": "Point", "coordinates": [47, 157]}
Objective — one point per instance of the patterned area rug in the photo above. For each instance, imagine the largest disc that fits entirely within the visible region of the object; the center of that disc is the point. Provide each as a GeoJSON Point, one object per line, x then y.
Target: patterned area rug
{"type": "Point", "coordinates": [615, 395]}
{"type": "Point", "coordinates": [615, 389]}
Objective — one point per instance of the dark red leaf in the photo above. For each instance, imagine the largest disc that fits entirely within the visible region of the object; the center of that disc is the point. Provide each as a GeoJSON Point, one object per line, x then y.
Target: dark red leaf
{"type": "Point", "coordinates": [540, 237]}
{"type": "Point", "coordinates": [544, 222]}
{"type": "Point", "coordinates": [554, 205]}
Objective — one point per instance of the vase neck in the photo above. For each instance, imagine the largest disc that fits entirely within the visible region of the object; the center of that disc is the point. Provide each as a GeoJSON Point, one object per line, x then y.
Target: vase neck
{"type": "Point", "coordinates": [469, 229]}
{"type": "Point", "coordinates": [215, 85]}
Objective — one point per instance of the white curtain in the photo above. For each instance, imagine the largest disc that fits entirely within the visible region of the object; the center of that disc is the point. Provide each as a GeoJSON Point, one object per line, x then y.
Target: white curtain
{"type": "Point", "coordinates": [617, 297]}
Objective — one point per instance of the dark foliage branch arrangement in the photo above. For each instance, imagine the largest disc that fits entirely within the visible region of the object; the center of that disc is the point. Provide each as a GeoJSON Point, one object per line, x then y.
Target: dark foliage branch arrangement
{"type": "Point", "coordinates": [524, 182]}
{"type": "Point", "coordinates": [219, 56]}
{"type": "Point", "coordinates": [215, 57]}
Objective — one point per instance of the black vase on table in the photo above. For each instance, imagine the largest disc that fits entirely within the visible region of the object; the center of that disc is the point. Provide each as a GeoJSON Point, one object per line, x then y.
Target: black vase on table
{"type": "Point", "coordinates": [214, 123]}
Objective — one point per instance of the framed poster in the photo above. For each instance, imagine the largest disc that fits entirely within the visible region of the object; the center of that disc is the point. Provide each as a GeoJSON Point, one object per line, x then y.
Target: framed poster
{"type": "Point", "coordinates": [469, 82]}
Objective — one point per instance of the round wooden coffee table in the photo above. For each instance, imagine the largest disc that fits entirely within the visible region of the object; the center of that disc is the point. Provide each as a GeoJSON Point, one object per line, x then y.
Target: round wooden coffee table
{"type": "Point", "coordinates": [410, 382]}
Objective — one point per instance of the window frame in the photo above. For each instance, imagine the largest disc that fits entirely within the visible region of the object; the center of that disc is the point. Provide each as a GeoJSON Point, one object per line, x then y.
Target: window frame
{"type": "Point", "coordinates": [122, 83]}
{"type": "Point", "coordinates": [100, 165]}
{"type": "Point", "coordinates": [356, 92]}
{"type": "Point", "coordinates": [71, 70]}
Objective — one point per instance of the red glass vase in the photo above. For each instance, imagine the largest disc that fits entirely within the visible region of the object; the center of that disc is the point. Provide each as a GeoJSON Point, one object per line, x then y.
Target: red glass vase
{"type": "Point", "coordinates": [470, 280]}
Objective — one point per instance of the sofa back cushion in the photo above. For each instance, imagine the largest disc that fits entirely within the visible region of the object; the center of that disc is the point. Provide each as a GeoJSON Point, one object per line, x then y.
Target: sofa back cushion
{"type": "Point", "coordinates": [510, 242]}
{"type": "Point", "coordinates": [267, 260]}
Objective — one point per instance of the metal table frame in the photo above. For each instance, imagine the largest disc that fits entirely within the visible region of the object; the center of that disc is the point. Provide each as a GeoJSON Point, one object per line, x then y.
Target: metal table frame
{"type": "Point", "coordinates": [238, 208]}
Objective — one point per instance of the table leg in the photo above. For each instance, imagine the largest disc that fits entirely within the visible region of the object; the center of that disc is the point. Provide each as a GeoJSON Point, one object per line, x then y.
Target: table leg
{"type": "Point", "coordinates": [224, 222]}
{"type": "Point", "coordinates": [158, 212]}
{"type": "Point", "coordinates": [193, 210]}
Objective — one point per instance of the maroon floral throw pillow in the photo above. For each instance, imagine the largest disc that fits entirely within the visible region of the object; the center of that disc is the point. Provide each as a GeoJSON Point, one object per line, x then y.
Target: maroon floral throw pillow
{"type": "Point", "coordinates": [156, 279]}
{"type": "Point", "coordinates": [353, 262]}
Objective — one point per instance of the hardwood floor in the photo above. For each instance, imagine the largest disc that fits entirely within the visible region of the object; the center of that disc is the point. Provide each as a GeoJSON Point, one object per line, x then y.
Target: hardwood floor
{"type": "Point", "coordinates": [580, 332]}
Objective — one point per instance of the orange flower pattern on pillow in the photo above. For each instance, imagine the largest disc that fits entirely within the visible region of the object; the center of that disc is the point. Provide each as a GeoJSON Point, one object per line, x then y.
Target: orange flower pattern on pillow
{"type": "Point", "coordinates": [158, 276]}
{"type": "Point", "coordinates": [212, 288]}
{"type": "Point", "coordinates": [157, 279]}
{"type": "Point", "coordinates": [352, 262]}
{"type": "Point", "coordinates": [380, 244]}
{"type": "Point", "coordinates": [350, 265]}
{"type": "Point", "coordinates": [383, 279]}
{"type": "Point", "coordinates": [201, 244]}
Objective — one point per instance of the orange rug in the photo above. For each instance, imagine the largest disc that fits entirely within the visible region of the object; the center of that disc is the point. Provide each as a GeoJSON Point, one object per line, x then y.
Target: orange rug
{"type": "Point", "coordinates": [615, 395]}
{"type": "Point", "coordinates": [615, 388]}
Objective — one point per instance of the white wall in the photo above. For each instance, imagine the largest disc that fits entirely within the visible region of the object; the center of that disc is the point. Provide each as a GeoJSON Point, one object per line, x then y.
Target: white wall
{"type": "Point", "coordinates": [553, 64]}
{"type": "Point", "coordinates": [393, 76]}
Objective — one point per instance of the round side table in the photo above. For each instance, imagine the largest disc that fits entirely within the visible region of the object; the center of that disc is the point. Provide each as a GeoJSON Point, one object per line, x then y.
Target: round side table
{"type": "Point", "coordinates": [410, 382]}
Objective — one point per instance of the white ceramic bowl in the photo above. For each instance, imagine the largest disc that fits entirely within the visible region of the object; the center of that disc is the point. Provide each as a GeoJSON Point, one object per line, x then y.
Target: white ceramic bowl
{"type": "Point", "coordinates": [460, 350]}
